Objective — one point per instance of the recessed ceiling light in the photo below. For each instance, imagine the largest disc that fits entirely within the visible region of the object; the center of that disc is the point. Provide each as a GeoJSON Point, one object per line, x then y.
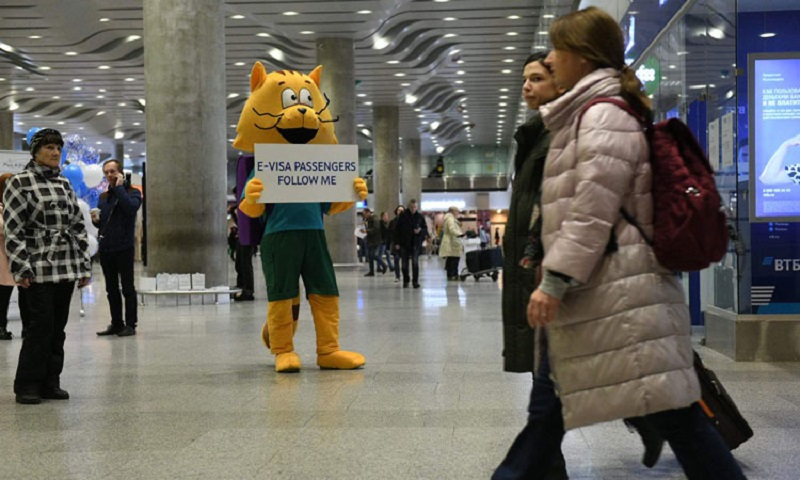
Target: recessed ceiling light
{"type": "Point", "coordinates": [450, 35]}
{"type": "Point", "coordinates": [307, 32]}
{"type": "Point", "coordinates": [503, 89]}
{"type": "Point", "coordinates": [502, 104]}
{"type": "Point", "coordinates": [263, 34]}
{"type": "Point", "coordinates": [767, 35]}
{"type": "Point", "coordinates": [100, 113]}
{"type": "Point", "coordinates": [717, 33]}
{"type": "Point", "coordinates": [459, 91]}
{"type": "Point", "coordinates": [77, 89]}
{"type": "Point", "coordinates": [441, 1]}
{"type": "Point", "coordinates": [400, 74]}
{"type": "Point", "coordinates": [421, 116]}
{"type": "Point", "coordinates": [508, 60]}
{"type": "Point", "coordinates": [77, 80]}
{"type": "Point", "coordinates": [233, 95]}
{"type": "Point", "coordinates": [105, 19]}
{"type": "Point", "coordinates": [71, 54]}
{"type": "Point", "coordinates": [121, 104]}
{"type": "Point", "coordinates": [460, 72]}
{"type": "Point", "coordinates": [503, 97]}
{"type": "Point", "coordinates": [505, 71]}
{"type": "Point", "coordinates": [239, 64]}
{"type": "Point", "coordinates": [237, 17]}
{"type": "Point", "coordinates": [101, 96]}
{"type": "Point", "coordinates": [99, 143]}
{"type": "Point", "coordinates": [35, 37]}
{"type": "Point", "coordinates": [103, 67]}
{"type": "Point", "coordinates": [364, 12]}
{"type": "Point", "coordinates": [130, 79]}
{"type": "Point", "coordinates": [132, 38]}
{"type": "Point", "coordinates": [29, 89]}
{"type": "Point", "coordinates": [548, 15]}
{"type": "Point", "coordinates": [513, 17]}
{"type": "Point", "coordinates": [540, 47]}
{"type": "Point", "coordinates": [405, 84]}
{"type": "Point", "coordinates": [136, 124]}
{"type": "Point", "coordinates": [78, 105]}
{"type": "Point", "coordinates": [509, 48]}
{"type": "Point", "coordinates": [276, 54]}
{"type": "Point", "coordinates": [362, 95]}
{"type": "Point", "coordinates": [449, 19]}
{"type": "Point", "coordinates": [56, 97]}
{"type": "Point", "coordinates": [44, 68]}
{"type": "Point", "coordinates": [393, 62]}
{"type": "Point", "coordinates": [459, 82]}
{"type": "Point", "coordinates": [369, 104]}
{"type": "Point", "coordinates": [291, 14]}
{"type": "Point", "coordinates": [512, 34]}
{"type": "Point", "coordinates": [543, 32]}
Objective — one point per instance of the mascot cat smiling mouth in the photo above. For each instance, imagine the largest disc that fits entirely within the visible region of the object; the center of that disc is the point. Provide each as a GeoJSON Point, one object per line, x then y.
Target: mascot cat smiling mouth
{"type": "Point", "coordinates": [288, 107]}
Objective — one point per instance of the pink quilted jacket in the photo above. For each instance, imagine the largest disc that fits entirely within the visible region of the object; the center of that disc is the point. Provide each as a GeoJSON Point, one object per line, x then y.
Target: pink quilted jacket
{"type": "Point", "coordinates": [620, 346]}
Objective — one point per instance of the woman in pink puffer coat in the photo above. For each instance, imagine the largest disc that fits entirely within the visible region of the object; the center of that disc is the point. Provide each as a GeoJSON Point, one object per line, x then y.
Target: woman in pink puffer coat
{"type": "Point", "coordinates": [616, 324]}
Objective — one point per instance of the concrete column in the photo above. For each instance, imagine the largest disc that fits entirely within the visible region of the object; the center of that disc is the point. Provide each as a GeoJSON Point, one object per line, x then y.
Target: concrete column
{"type": "Point", "coordinates": [6, 130]}
{"type": "Point", "coordinates": [119, 152]}
{"type": "Point", "coordinates": [184, 69]}
{"type": "Point", "coordinates": [386, 170]}
{"type": "Point", "coordinates": [337, 57]}
{"type": "Point", "coordinates": [412, 169]}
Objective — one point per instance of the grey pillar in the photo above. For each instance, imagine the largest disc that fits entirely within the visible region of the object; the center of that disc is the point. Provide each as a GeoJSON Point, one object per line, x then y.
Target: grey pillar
{"type": "Point", "coordinates": [386, 171]}
{"type": "Point", "coordinates": [184, 68]}
{"type": "Point", "coordinates": [412, 173]}
{"type": "Point", "coordinates": [119, 152]}
{"type": "Point", "coordinates": [6, 130]}
{"type": "Point", "coordinates": [337, 57]}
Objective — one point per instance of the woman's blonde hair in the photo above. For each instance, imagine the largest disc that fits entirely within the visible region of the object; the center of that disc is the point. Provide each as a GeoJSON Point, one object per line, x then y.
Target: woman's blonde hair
{"type": "Point", "coordinates": [594, 35]}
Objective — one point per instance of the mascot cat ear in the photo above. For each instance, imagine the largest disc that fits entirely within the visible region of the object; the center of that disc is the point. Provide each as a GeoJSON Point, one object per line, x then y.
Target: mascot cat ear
{"type": "Point", "coordinates": [316, 75]}
{"type": "Point", "coordinates": [258, 75]}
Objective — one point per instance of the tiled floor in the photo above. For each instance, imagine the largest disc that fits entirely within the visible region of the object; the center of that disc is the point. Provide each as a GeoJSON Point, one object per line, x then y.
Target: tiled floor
{"type": "Point", "coordinates": [194, 396]}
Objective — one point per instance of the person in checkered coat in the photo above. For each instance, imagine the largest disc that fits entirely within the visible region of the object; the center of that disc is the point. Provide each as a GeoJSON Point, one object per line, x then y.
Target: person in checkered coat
{"type": "Point", "coordinates": [47, 248]}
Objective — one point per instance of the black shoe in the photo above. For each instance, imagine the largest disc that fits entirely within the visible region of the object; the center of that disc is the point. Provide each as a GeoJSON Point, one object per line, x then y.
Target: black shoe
{"type": "Point", "coordinates": [127, 332]}
{"type": "Point", "coordinates": [405, 285]}
{"type": "Point", "coordinates": [653, 442]}
{"type": "Point", "coordinates": [370, 274]}
{"type": "Point", "coordinates": [242, 297]}
{"type": "Point", "coordinates": [416, 285]}
{"type": "Point", "coordinates": [55, 393]}
{"type": "Point", "coordinates": [111, 330]}
{"type": "Point", "coordinates": [29, 398]}
{"type": "Point", "coordinates": [5, 334]}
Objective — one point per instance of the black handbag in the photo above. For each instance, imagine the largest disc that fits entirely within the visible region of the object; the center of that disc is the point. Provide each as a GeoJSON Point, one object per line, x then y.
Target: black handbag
{"type": "Point", "coordinates": [720, 408]}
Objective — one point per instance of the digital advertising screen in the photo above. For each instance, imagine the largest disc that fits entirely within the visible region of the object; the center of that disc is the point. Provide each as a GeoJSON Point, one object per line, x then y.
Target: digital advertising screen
{"type": "Point", "coordinates": [774, 127]}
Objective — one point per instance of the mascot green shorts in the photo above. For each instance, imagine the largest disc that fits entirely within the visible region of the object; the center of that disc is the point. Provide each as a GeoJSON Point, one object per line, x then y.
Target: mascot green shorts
{"type": "Point", "coordinates": [289, 255]}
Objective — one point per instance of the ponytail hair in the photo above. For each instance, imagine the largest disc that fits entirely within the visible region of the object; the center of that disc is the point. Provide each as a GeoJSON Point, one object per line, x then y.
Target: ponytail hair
{"type": "Point", "coordinates": [594, 35]}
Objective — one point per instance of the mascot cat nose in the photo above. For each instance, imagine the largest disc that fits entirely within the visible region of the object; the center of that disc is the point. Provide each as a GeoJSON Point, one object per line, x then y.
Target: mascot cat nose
{"type": "Point", "coordinates": [302, 110]}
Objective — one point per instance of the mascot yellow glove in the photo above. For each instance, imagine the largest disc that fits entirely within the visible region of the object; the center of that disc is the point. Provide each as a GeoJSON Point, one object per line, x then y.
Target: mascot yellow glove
{"type": "Point", "coordinates": [249, 204]}
{"type": "Point", "coordinates": [360, 186]}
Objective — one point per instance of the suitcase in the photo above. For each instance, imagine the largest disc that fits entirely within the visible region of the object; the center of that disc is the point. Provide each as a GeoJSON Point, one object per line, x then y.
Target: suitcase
{"type": "Point", "coordinates": [723, 287]}
{"type": "Point", "coordinates": [474, 261]}
{"type": "Point", "coordinates": [719, 407]}
{"type": "Point", "coordinates": [491, 259]}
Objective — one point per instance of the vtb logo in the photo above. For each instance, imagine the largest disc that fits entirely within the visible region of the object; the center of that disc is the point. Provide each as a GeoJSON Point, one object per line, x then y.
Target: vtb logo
{"type": "Point", "coordinates": [782, 264]}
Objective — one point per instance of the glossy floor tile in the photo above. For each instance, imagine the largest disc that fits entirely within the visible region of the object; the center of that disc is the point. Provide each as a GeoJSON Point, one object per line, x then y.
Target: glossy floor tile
{"type": "Point", "coordinates": [194, 396]}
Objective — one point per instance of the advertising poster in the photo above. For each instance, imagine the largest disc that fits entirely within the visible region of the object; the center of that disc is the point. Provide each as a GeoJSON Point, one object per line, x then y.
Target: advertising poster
{"type": "Point", "coordinates": [775, 137]}
{"type": "Point", "coordinates": [775, 260]}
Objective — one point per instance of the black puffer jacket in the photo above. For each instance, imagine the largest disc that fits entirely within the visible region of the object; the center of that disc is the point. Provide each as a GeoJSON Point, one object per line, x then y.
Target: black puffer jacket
{"type": "Point", "coordinates": [533, 141]}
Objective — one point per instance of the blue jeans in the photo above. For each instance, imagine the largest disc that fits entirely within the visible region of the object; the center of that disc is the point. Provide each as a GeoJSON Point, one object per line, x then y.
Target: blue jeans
{"type": "Point", "coordinates": [537, 449]}
{"type": "Point", "coordinates": [374, 256]}
{"type": "Point", "coordinates": [385, 251]}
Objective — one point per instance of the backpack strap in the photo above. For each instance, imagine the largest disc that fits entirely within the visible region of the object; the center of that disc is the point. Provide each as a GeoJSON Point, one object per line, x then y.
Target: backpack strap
{"type": "Point", "coordinates": [623, 105]}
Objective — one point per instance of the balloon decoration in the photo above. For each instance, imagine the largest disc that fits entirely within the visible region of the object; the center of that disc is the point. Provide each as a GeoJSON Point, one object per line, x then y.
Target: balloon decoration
{"type": "Point", "coordinates": [92, 175]}
{"type": "Point", "coordinates": [31, 132]}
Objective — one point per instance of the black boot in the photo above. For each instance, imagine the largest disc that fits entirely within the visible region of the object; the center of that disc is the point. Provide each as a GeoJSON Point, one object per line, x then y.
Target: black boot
{"type": "Point", "coordinates": [5, 334]}
{"type": "Point", "coordinates": [653, 443]}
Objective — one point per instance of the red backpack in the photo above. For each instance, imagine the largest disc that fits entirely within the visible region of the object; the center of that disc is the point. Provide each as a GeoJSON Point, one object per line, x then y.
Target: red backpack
{"type": "Point", "coordinates": [690, 229]}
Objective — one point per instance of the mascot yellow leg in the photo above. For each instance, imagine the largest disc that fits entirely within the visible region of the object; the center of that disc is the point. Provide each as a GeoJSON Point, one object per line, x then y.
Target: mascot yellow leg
{"type": "Point", "coordinates": [279, 333]}
{"type": "Point", "coordinates": [325, 309]}
{"type": "Point", "coordinates": [295, 317]}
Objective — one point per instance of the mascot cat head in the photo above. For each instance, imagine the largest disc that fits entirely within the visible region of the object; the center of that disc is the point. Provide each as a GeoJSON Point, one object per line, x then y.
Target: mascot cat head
{"type": "Point", "coordinates": [284, 107]}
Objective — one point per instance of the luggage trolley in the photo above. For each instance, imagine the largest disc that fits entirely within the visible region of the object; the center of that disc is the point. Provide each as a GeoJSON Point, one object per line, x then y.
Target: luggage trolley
{"type": "Point", "coordinates": [487, 262]}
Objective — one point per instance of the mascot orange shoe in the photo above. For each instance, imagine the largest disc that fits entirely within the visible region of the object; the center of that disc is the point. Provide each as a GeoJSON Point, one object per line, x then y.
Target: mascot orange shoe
{"type": "Point", "coordinates": [288, 107]}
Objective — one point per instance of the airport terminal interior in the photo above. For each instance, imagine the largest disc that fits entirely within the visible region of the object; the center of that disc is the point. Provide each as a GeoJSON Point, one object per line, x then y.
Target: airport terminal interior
{"type": "Point", "coordinates": [432, 93]}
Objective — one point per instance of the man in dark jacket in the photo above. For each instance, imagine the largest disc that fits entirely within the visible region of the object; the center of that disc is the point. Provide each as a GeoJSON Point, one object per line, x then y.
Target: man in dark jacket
{"type": "Point", "coordinates": [374, 240]}
{"type": "Point", "coordinates": [116, 223]}
{"type": "Point", "coordinates": [412, 230]}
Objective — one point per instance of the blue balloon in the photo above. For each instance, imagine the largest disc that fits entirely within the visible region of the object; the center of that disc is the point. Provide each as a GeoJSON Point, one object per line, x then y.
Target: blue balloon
{"type": "Point", "coordinates": [31, 132]}
{"type": "Point", "coordinates": [92, 197]}
{"type": "Point", "coordinates": [80, 189]}
{"type": "Point", "coordinates": [74, 174]}
{"type": "Point", "coordinates": [63, 157]}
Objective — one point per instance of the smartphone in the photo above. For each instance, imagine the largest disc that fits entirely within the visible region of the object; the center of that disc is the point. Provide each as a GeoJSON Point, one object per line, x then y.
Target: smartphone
{"type": "Point", "coordinates": [127, 178]}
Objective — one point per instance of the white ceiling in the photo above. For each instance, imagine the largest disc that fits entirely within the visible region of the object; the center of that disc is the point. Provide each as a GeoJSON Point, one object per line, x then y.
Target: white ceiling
{"type": "Point", "coordinates": [78, 65]}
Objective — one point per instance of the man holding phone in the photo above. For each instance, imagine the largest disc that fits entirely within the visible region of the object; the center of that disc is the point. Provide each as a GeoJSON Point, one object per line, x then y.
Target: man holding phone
{"type": "Point", "coordinates": [115, 218]}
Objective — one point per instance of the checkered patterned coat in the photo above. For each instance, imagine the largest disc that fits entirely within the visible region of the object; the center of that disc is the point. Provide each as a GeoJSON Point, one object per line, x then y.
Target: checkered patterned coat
{"type": "Point", "coordinates": [44, 232]}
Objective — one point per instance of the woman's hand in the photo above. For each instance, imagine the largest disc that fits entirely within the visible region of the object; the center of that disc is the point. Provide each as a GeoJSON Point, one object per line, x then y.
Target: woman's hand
{"type": "Point", "coordinates": [84, 281]}
{"type": "Point", "coordinates": [25, 282]}
{"type": "Point", "coordinates": [542, 309]}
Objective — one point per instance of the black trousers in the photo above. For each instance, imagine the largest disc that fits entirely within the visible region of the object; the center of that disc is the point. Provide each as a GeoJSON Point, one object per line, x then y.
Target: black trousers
{"type": "Point", "coordinates": [451, 265]}
{"type": "Point", "coordinates": [411, 256]}
{"type": "Point", "coordinates": [244, 268]}
{"type": "Point", "coordinates": [118, 267]}
{"type": "Point", "coordinates": [41, 358]}
{"type": "Point", "coordinates": [5, 299]}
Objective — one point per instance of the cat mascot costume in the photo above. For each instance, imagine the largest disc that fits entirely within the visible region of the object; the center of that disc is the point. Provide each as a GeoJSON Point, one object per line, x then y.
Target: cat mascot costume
{"type": "Point", "coordinates": [288, 107]}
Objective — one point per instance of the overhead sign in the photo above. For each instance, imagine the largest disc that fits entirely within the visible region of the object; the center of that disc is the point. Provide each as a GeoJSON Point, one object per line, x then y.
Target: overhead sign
{"type": "Point", "coordinates": [306, 173]}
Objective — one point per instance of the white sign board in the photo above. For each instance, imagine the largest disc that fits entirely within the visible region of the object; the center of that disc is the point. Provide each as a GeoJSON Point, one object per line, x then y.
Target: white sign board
{"type": "Point", "coordinates": [713, 144]}
{"type": "Point", "coordinates": [13, 161]}
{"type": "Point", "coordinates": [728, 152]}
{"type": "Point", "coordinates": [306, 173]}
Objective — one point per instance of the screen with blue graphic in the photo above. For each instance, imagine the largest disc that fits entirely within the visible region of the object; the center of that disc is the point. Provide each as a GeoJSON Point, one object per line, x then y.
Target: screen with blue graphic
{"type": "Point", "coordinates": [775, 137]}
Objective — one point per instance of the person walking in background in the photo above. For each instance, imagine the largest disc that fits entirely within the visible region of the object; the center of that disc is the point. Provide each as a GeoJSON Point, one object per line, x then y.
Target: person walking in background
{"type": "Point", "coordinates": [394, 245]}
{"type": "Point", "coordinates": [587, 294]}
{"type": "Point", "coordinates": [374, 241]}
{"type": "Point", "coordinates": [483, 235]}
{"type": "Point", "coordinates": [386, 242]}
{"type": "Point", "coordinates": [116, 221]}
{"type": "Point", "coordinates": [48, 251]}
{"type": "Point", "coordinates": [412, 230]}
{"type": "Point", "coordinates": [451, 247]}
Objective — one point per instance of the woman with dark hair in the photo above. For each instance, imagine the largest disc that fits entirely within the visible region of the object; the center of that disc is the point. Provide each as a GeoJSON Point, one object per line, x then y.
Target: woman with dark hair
{"type": "Point", "coordinates": [617, 331]}
{"type": "Point", "coordinates": [47, 250]}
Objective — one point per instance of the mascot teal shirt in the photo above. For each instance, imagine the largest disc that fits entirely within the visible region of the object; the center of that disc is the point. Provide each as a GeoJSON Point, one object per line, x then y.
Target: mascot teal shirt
{"type": "Point", "coordinates": [293, 216]}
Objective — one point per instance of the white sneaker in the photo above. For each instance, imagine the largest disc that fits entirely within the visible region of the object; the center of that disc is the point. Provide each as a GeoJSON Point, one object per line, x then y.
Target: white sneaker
{"type": "Point", "coordinates": [396, 280]}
